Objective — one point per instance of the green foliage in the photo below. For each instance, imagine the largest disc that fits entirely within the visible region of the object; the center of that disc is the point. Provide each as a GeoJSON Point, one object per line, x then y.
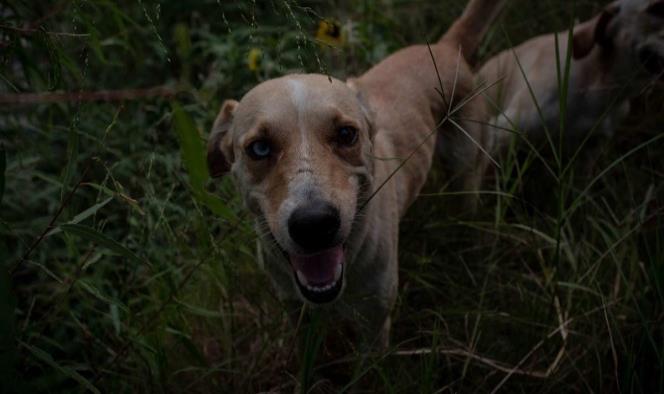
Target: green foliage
{"type": "Point", "coordinates": [3, 167]}
{"type": "Point", "coordinates": [123, 268]}
{"type": "Point", "coordinates": [193, 155]}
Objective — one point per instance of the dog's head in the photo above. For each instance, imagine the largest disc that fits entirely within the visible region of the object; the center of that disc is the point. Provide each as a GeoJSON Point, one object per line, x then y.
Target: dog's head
{"type": "Point", "coordinates": [632, 30]}
{"type": "Point", "coordinates": [299, 148]}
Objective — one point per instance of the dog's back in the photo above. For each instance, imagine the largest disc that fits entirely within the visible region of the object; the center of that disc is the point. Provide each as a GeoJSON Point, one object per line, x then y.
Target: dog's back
{"type": "Point", "coordinates": [613, 56]}
{"type": "Point", "coordinates": [406, 87]}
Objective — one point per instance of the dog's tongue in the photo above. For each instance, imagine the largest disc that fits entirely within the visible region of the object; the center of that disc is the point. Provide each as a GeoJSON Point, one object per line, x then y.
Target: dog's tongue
{"type": "Point", "coordinates": [319, 269]}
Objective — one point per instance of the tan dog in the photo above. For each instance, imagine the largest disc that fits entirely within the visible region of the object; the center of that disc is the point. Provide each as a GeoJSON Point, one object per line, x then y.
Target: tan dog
{"type": "Point", "coordinates": [313, 157]}
{"type": "Point", "coordinates": [616, 55]}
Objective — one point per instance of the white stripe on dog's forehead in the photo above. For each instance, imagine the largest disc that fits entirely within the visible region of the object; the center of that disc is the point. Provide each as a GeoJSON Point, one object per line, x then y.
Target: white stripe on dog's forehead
{"type": "Point", "coordinates": [299, 97]}
{"type": "Point", "coordinates": [298, 94]}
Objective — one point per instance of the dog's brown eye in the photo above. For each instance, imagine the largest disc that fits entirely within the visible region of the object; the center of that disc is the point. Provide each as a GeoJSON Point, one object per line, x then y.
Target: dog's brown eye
{"type": "Point", "coordinates": [346, 136]}
{"type": "Point", "coordinates": [259, 149]}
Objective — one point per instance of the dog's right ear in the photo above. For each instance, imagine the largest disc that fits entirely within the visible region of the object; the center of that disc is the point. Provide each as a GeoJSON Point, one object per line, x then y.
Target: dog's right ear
{"type": "Point", "coordinates": [220, 149]}
{"type": "Point", "coordinates": [592, 32]}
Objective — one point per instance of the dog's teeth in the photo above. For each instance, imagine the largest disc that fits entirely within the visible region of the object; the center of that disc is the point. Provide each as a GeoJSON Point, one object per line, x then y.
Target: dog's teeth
{"type": "Point", "coordinates": [337, 272]}
{"type": "Point", "coordinates": [302, 279]}
{"type": "Point", "coordinates": [322, 288]}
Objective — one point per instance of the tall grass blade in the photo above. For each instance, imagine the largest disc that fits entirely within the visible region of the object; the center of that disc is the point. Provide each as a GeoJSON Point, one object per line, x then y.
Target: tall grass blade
{"type": "Point", "coordinates": [7, 329]}
{"type": "Point", "coordinates": [3, 168]}
{"type": "Point", "coordinates": [67, 371]}
{"type": "Point", "coordinates": [72, 156]}
{"type": "Point", "coordinates": [577, 202]}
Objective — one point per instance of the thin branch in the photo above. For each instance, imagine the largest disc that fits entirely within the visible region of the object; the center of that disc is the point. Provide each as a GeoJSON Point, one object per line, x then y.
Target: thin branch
{"type": "Point", "coordinates": [561, 328]}
{"type": "Point", "coordinates": [55, 10]}
{"type": "Point", "coordinates": [50, 225]}
{"type": "Point", "coordinates": [86, 96]}
{"type": "Point", "coordinates": [465, 353]}
{"type": "Point", "coordinates": [26, 31]}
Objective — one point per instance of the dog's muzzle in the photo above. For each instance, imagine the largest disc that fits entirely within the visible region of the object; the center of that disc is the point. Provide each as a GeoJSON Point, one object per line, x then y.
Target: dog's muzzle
{"type": "Point", "coordinates": [314, 227]}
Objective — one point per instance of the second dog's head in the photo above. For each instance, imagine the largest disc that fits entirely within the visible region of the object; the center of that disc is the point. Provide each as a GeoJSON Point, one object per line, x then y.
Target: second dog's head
{"type": "Point", "coordinates": [299, 148]}
{"type": "Point", "coordinates": [631, 31]}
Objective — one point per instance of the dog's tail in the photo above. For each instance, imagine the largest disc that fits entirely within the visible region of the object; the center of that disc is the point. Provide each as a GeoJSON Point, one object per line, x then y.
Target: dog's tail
{"type": "Point", "coordinates": [469, 29]}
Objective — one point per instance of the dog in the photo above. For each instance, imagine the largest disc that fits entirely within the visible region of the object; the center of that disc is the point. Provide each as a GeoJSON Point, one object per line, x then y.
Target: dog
{"type": "Point", "coordinates": [615, 55]}
{"type": "Point", "coordinates": [328, 168]}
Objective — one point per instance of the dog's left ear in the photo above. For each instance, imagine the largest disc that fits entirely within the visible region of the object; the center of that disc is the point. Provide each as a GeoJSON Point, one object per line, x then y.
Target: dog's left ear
{"type": "Point", "coordinates": [592, 32]}
{"type": "Point", "coordinates": [220, 149]}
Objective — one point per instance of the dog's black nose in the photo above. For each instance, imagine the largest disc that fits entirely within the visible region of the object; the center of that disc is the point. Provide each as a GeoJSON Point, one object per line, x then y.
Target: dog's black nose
{"type": "Point", "coordinates": [314, 226]}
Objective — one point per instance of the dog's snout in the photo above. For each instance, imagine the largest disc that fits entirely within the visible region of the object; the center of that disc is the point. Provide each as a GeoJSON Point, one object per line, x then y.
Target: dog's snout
{"type": "Point", "coordinates": [314, 226]}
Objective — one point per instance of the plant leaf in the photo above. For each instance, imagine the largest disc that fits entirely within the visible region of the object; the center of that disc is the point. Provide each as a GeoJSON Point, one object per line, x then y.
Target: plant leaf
{"type": "Point", "coordinates": [45, 357]}
{"type": "Point", "coordinates": [193, 156]}
{"type": "Point", "coordinates": [82, 216]}
{"type": "Point", "coordinates": [100, 239]}
{"type": "Point", "coordinates": [215, 204]}
{"type": "Point", "coordinates": [191, 147]}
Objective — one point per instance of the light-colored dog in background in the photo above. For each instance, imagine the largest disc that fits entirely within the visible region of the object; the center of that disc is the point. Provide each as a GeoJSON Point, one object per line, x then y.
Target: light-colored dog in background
{"type": "Point", "coordinates": [314, 157]}
{"type": "Point", "coordinates": [615, 56]}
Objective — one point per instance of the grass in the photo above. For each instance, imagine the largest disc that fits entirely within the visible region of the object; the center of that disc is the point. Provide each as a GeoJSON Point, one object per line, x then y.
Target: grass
{"type": "Point", "coordinates": [126, 270]}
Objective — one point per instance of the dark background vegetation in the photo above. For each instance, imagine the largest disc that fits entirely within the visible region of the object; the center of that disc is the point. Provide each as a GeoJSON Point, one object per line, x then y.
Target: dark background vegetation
{"type": "Point", "coordinates": [124, 269]}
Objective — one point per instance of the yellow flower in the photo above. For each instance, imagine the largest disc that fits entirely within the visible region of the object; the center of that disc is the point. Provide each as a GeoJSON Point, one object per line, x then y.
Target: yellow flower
{"type": "Point", "coordinates": [329, 32]}
{"type": "Point", "coordinates": [254, 59]}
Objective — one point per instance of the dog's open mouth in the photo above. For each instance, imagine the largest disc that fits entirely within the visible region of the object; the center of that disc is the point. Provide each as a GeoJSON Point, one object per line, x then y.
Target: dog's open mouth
{"type": "Point", "coordinates": [319, 276]}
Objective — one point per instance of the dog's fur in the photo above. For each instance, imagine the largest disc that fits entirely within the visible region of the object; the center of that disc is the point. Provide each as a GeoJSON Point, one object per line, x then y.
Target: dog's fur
{"type": "Point", "coordinates": [394, 108]}
{"type": "Point", "coordinates": [614, 56]}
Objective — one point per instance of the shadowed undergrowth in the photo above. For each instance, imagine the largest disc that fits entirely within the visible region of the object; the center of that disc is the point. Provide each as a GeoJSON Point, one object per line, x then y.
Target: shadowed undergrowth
{"type": "Point", "coordinates": [126, 270]}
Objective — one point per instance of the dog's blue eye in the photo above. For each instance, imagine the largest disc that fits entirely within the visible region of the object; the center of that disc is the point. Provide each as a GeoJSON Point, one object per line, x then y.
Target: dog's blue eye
{"type": "Point", "coordinates": [259, 149]}
{"type": "Point", "coordinates": [347, 136]}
